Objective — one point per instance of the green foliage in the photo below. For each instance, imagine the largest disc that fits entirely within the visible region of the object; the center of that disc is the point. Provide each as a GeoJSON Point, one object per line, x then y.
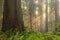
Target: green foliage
{"type": "Point", "coordinates": [52, 36]}
{"type": "Point", "coordinates": [58, 25]}
{"type": "Point", "coordinates": [57, 29]}
{"type": "Point", "coordinates": [2, 35]}
{"type": "Point", "coordinates": [28, 34]}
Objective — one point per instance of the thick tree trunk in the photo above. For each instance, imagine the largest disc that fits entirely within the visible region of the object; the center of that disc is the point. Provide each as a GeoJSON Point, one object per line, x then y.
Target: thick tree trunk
{"type": "Point", "coordinates": [8, 15]}
{"type": "Point", "coordinates": [13, 17]}
{"type": "Point", "coordinates": [18, 19]}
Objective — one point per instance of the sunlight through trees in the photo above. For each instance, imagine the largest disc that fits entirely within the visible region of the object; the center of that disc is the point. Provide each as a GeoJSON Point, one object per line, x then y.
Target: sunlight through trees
{"type": "Point", "coordinates": [38, 15]}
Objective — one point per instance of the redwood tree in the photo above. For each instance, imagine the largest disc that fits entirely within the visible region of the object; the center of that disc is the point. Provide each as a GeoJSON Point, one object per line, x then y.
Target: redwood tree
{"type": "Point", "coordinates": [12, 15]}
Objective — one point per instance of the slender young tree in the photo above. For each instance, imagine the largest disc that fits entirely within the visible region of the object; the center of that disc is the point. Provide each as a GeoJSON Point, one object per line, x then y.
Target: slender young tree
{"type": "Point", "coordinates": [41, 15]}
{"type": "Point", "coordinates": [46, 15]}
{"type": "Point", "coordinates": [31, 11]}
{"type": "Point", "coordinates": [56, 11]}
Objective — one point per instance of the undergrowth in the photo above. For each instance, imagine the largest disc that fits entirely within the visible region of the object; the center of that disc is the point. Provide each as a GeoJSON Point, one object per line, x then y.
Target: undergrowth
{"type": "Point", "coordinates": [30, 35]}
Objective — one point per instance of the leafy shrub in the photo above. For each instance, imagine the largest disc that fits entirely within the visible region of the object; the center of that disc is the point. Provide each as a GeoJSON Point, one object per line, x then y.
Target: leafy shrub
{"type": "Point", "coordinates": [57, 29]}
{"type": "Point", "coordinates": [29, 35]}
{"type": "Point", "coordinates": [52, 36]}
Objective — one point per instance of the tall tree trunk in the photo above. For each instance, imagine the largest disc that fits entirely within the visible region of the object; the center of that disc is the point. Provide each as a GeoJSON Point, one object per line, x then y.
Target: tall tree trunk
{"type": "Point", "coordinates": [56, 11]}
{"type": "Point", "coordinates": [8, 15]}
{"type": "Point", "coordinates": [13, 16]}
{"type": "Point", "coordinates": [46, 15]}
{"type": "Point", "coordinates": [41, 15]}
{"type": "Point", "coordinates": [18, 19]}
{"type": "Point", "coordinates": [31, 8]}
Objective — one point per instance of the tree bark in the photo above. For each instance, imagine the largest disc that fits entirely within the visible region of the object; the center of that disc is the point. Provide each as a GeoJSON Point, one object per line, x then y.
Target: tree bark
{"type": "Point", "coordinates": [13, 17]}
{"type": "Point", "coordinates": [56, 11]}
{"type": "Point", "coordinates": [18, 18]}
{"type": "Point", "coordinates": [46, 16]}
{"type": "Point", "coordinates": [8, 15]}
